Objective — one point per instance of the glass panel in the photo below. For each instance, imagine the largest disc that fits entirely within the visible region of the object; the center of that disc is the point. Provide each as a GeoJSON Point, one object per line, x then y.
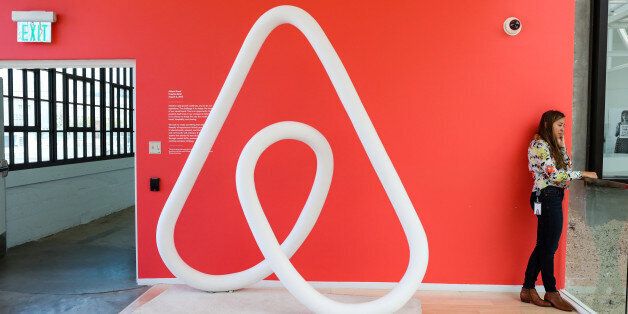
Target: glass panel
{"type": "Point", "coordinates": [45, 146]}
{"type": "Point", "coordinates": [45, 118]}
{"type": "Point", "coordinates": [108, 143]}
{"type": "Point", "coordinates": [18, 83]}
{"type": "Point", "coordinates": [88, 114]}
{"type": "Point", "coordinates": [31, 112]}
{"type": "Point", "coordinates": [128, 117]}
{"type": "Point", "coordinates": [79, 72]}
{"type": "Point", "coordinates": [18, 147]}
{"type": "Point", "coordinates": [18, 112]}
{"type": "Point", "coordinates": [128, 142]}
{"type": "Point", "coordinates": [115, 143]}
{"type": "Point", "coordinates": [32, 147]}
{"type": "Point", "coordinates": [596, 248]}
{"type": "Point", "coordinates": [97, 93]}
{"type": "Point", "coordinates": [89, 141]}
{"type": "Point", "coordinates": [116, 98]}
{"type": "Point", "coordinates": [114, 78]}
{"type": "Point", "coordinates": [59, 116]}
{"type": "Point", "coordinates": [88, 93]}
{"type": "Point", "coordinates": [116, 103]}
{"type": "Point", "coordinates": [108, 119]}
{"type": "Point", "coordinates": [30, 77]}
{"type": "Point", "coordinates": [60, 146]}
{"type": "Point", "coordinates": [71, 115]}
{"type": "Point", "coordinates": [71, 90]}
{"type": "Point", "coordinates": [79, 116]}
{"type": "Point", "coordinates": [80, 144]}
{"type": "Point", "coordinates": [59, 86]}
{"type": "Point", "coordinates": [79, 92]}
{"type": "Point", "coordinates": [43, 79]}
{"type": "Point", "coordinates": [615, 157]}
{"type": "Point", "coordinates": [107, 75]}
{"type": "Point", "coordinates": [88, 72]}
{"type": "Point", "coordinates": [97, 144]}
{"type": "Point", "coordinates": [70, 145]}
{"type": "Point", "coordinates": [97, 118]}
{"type": "Point", "coordinates": [107, 94]}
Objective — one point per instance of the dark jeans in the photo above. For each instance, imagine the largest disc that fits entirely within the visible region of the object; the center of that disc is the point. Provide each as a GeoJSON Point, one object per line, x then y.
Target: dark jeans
{"type": "Point", "coordinates": [549, 228]}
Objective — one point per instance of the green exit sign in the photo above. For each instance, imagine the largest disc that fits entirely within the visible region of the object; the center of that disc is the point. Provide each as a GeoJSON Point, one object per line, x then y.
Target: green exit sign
{"type": "Point", "coordinates": [34, 32]}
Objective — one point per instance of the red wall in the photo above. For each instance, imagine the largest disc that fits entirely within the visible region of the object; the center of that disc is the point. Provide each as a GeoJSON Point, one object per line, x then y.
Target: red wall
{"type": "Point", "coordinates": [453, 98]}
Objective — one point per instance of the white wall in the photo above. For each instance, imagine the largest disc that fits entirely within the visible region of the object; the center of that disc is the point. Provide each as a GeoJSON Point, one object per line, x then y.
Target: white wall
{"type": "Point", "coordinates": [43, 201]}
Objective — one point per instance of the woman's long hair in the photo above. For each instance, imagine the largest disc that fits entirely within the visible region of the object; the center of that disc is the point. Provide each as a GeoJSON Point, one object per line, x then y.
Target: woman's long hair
{"type": "Point", "coordinates": [546, 133]}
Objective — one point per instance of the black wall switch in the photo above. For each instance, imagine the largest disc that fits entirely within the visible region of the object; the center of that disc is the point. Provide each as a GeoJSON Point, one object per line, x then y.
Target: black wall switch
{"type": "Point", "coordinates": [154, 184]}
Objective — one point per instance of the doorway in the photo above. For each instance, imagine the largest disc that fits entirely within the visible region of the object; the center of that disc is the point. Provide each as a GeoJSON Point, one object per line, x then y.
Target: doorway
{"type": "Point", "coordinates": [70, 193]}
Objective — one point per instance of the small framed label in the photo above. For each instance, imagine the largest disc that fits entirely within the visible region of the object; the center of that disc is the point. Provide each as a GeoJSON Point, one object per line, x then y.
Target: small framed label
{"type": "Point", "coordinates": [34, 32]}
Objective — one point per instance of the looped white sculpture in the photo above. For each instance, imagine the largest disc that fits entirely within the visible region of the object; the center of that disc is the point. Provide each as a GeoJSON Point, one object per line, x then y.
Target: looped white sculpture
{"type": "Point", "coordinates": [276, 256]}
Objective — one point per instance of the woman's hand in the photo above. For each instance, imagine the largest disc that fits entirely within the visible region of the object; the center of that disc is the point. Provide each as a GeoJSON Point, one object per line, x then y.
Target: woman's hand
{"type": "Point", "coordinates": [589, 174]}
{"type": "Point", "coordinates": [561, 141]}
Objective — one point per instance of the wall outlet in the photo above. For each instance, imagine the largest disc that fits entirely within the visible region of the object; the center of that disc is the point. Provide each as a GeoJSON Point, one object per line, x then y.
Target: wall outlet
{"type": "Point", "coordinates": [154, 147]}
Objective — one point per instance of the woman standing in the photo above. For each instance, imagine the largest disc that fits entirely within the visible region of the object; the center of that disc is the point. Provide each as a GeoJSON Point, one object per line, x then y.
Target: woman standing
{"type": "Point", "coordinates": [552, 171]}
{"type": "Point", "coordinates": [621, 145]}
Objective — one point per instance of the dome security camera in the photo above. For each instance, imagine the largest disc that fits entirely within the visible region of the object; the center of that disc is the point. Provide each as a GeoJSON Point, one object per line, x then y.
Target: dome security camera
{"type": "Point", "coordinates": [512, 26]}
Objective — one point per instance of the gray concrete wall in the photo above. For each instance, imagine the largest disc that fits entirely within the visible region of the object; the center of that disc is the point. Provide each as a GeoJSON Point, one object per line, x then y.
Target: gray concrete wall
{"type": "Point", "coordinates": [43, 201]}
{"type": "Point", "coordinates": [581, 83]}
{"type": "Point", "coordinates": [580, 110]}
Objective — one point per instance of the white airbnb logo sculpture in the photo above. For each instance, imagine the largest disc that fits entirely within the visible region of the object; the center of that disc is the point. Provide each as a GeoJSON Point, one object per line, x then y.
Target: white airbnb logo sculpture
{"type": "Point", "coordinates": [276, 256]}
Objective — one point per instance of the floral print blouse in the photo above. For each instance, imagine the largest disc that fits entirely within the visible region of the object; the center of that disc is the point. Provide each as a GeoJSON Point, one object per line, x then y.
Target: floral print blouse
{"type": "Point", "coordinates": [543, 167]}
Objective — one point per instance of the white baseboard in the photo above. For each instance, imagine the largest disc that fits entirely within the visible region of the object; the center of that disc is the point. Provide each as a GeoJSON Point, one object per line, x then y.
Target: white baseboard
{"type": "Point", "coordinates": [156, 281]}
{"type": "Point", "coordinates": [364, 285]}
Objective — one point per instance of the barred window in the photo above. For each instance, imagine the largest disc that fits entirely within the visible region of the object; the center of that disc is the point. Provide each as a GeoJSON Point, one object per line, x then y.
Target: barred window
{"type": "Point", "coordinates": [67, 115]}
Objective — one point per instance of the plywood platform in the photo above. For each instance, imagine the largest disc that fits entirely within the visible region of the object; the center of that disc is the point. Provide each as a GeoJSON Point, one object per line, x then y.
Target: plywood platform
{"type": "Point", "coordinates": [183, 299]}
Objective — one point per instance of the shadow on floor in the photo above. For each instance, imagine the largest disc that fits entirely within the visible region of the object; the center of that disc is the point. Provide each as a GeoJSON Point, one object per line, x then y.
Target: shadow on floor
{"type": "Point", "coordinates": [86, 269]}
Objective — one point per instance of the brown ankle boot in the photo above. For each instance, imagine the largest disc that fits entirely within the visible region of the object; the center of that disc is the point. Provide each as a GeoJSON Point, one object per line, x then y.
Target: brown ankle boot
{"type": "Point", "coordinates": [536, 299]}
{"type": "Point", "coordinates": [558, 302]}
{"type": "Point", "coordinates": [531, 296]}
{"type": "Point", "coordinates": [525, 295]}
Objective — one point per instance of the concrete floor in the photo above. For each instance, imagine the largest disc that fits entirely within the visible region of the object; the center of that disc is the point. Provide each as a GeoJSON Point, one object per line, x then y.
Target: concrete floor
{"type": "Point", "coordinates": [86, 269]}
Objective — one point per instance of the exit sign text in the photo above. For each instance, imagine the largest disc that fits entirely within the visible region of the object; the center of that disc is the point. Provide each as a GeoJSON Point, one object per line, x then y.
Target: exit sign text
{"type": "Point", "coordinates": [34, 32]}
